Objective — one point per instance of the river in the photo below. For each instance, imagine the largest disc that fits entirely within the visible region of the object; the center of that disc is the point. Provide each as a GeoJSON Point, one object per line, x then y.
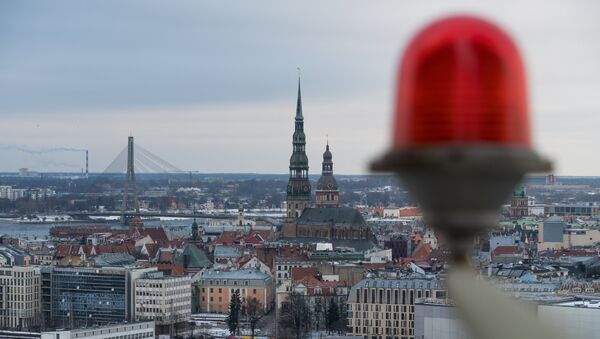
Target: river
{"type": "Point", "coordinates": [33, 231]}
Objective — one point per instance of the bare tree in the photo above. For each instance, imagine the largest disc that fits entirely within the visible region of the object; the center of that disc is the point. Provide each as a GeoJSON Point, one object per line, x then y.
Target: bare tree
{"type": "Point", "coordinates": [294, 318]}
{"type": "Point", "coordinates": [254, 311]}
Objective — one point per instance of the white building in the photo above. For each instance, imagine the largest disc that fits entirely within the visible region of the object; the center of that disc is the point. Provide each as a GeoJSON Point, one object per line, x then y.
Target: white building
{"type": "Point", "coordinates": [5, 191]}
{"type": "Point", "coordinates": [141, 330]}
{"type": "Point", "coordinates": [439, 319]}
{"type": "Point", "coordinates": [574, 319]}
{"type": "Point", "coordinates": [257, 264]}
{"type": "Point", "coordinates": [20, 296]}
{"type": "Point", "coordinates": [165, 299]}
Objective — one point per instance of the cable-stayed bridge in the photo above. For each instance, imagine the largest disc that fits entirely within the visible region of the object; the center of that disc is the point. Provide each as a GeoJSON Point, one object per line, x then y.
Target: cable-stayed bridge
{"type": "Point", "coordinates": [136, 159]}
{"type": "Point", "coordinates": [144, 161]}
{"type": "Point", "coordinates": [131, 159]}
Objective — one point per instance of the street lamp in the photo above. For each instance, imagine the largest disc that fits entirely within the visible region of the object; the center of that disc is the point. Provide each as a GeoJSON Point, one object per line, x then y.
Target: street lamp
{"type": "Point", "coordinates": [461, 143]}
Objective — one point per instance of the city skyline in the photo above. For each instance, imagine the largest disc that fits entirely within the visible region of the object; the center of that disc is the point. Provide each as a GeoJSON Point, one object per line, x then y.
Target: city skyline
{"type": "Point", "coordinates": [211, 88]}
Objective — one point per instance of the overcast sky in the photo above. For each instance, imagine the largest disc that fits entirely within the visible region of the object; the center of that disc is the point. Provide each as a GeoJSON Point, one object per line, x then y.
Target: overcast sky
{"type": "Point", "coordinates": [211, 86]}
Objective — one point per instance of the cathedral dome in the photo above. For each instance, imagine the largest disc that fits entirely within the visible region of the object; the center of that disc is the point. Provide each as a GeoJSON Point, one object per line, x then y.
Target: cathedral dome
{"type": "Point", "coordinates": [327, 154]}
{"type": "Point", "coordinates": [327, 183]}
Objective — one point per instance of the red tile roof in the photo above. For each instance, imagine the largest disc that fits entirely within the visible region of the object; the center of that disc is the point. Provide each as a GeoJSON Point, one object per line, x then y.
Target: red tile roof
{"type": "Point", "coordinates": [157, 234]}
{"type": "Point", "coordinates": [506, 250]}
{"type": "Point", "coordinates": [410, 211]}
{"type": "Point", "coordinates": [300, 273]}
{"type": "Point", "coordinates": [422, 252]}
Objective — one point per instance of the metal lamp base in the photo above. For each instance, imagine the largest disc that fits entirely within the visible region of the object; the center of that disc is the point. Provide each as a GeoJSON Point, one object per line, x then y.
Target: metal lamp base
{"type": "Point", "coordinates": [461, 188]}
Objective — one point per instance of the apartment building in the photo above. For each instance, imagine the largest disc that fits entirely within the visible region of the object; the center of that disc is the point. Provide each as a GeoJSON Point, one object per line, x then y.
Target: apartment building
{"type": "Point", "coordinates": [19, 297]}
{"type": "Point", "coordinates": [385, 308]}
{"type": "Point", "coordinates": [216, 287]}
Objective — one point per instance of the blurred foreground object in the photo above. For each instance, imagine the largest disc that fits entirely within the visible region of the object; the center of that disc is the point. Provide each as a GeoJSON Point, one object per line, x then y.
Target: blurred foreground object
{"type": "Point", "coordinates": [461, 144]}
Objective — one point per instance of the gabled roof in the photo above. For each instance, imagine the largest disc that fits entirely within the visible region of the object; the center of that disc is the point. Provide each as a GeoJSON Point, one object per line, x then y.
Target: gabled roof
{"type": "Point", "coordinates": [157, 234]}
{"type": "Point", "coordinates": [340, 216]}
{"type": "Point", "coordinates": [197, 258]}
{"type": "Point", "coordinates": [422, 252]}
{"type": "Point", "coordinates": [151, 249]}
{"type": "Point", "coordinates": [64, 250]}
{"type": "Point", "coordinates": [300, 273]}
{"type": "Point", "coordinates": [166, 256]}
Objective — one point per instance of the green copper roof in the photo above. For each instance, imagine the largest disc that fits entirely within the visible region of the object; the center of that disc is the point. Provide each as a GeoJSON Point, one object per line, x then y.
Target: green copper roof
{"type": "Point", "coordinates": [299, 103]}
{"type": "Point", "coordinates": [341, 216]}
{"type": "Point", "coordinates": [197, 258]}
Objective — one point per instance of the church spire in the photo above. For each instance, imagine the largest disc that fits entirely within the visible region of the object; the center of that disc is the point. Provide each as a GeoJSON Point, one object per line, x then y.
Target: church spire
{"type": "Point", "coordinates": [299, 103]}
{"type": "Point", "coordinates": [327, 192]}
{"type": "Point", "coordinates": [298, 191]}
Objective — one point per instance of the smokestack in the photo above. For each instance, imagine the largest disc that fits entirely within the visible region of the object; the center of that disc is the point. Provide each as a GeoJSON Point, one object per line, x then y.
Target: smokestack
{"type": "Point", "coordinates": [86, 163]}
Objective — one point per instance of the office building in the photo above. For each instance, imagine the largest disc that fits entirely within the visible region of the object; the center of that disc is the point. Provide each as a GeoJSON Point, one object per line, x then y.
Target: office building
{"type": "Point", "coordinates": [165, 299]}
{"type": "Point", "coordinates": [74, 297]}
{"type": "Point", "coordinates": [19, 297]}
{"type": "Point", "coordinates": [384, 308]}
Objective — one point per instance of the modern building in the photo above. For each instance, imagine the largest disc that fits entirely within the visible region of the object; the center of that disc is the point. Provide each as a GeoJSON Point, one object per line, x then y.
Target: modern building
{"type": "Point", "coordinates": [555, 234]}
{"type": "Point", "coordinates": [573, 319]}
{"type": "Point", "coordinates": [385, 308]}
{"type": "Point", "coordinates": [139, 330]}
{"type": "Point", "coordinates": [327, 193]}
{"type": "Point", "coordinates": [551, 233]}
{"type": "Point", "coordinates": [439, 319]}
{"type": "Point", "coordinates": [20, 297]}
{"type": "Point", "coordinates": [216, 287]}
{"type": "Point", "coordinates": [298, 189]}
{"type": "Point", "coordinates": [578, 209]}
{"type": "Point", "coordinates": [165, 299]}
{"type": "Point", "coordinates": [75, 297]}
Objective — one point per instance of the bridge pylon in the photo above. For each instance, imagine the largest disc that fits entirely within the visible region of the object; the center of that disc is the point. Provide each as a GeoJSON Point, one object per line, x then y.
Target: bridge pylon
{"type": "Point", "coordinates": [129, 184]}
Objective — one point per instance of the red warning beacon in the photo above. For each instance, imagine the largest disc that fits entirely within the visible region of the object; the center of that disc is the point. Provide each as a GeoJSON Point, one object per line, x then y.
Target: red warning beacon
{"type": "Point", "coordinates": [461, 81]}
{"type": "Point", "coordinates": [461, 136]}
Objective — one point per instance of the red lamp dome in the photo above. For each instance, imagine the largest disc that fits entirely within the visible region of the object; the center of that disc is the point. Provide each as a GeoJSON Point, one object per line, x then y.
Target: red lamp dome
{"type": "Point", "coordinates": [461, 82]}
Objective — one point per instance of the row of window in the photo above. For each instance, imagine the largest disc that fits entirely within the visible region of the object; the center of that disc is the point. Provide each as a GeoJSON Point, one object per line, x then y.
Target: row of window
{"type": "Point", "coordinates": [387, 315]}
{"type": "Point", "coordinates": [224, 282]}
{"type": "Point", "coordinates": [388, 331]}
{"type": "Point", "coordinates": [379, 308]}
{"type": "Point", "coordinates": [397, 297]}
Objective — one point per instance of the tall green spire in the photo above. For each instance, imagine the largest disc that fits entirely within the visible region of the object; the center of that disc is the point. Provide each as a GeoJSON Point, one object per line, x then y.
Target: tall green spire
{"type": "Point", "coordinates": [298, 191]}
{"type": "Point", "coordinates": [299, 103]}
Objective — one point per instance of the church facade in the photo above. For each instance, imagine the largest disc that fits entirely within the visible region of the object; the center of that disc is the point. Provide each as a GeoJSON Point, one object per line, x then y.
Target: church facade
{"type": "Point", "coordinates": [327, 221]}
